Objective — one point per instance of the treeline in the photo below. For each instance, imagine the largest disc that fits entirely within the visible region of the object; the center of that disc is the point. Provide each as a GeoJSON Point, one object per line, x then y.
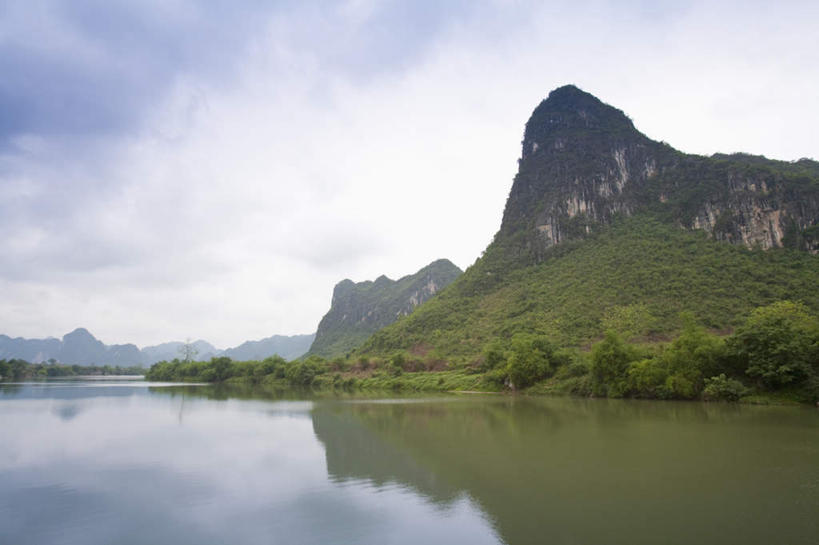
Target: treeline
{"type": "Point", "coordinates": [398, 372]}
{"type": "Point", "coordinates": [17, 369]}
{"type": "Point", "coordinates": [774, 353]}
{"type": "Point", "coordinates": [274, 368]}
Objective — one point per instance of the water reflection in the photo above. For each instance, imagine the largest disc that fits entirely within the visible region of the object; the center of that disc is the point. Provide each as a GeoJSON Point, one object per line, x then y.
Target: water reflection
{"type": "Point", "coordinates": [193, 464]}
{"type": "Point", "coordinates": [592, 471]}
{"type": "Point", "coordinates": [175, 466]}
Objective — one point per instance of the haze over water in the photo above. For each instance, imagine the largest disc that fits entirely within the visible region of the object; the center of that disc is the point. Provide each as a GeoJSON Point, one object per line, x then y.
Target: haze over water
{"type": "Point", "coordinates": [98, 462]}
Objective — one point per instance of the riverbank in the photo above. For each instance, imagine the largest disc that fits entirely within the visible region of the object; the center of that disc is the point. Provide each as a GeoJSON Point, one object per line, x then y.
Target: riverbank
{"type": "Point", "coordinates": [773, 358]}
{"type": "Point", "coordinates": [464, 382]}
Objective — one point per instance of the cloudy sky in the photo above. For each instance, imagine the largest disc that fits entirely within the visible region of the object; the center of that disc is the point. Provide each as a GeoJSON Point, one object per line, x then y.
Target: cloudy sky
{"type": "Point", "coordinates": [173, 168]}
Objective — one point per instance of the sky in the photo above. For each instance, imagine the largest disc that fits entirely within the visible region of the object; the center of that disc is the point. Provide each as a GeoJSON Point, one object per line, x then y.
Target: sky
{"type": "Point", "coordinates": [175, 169]}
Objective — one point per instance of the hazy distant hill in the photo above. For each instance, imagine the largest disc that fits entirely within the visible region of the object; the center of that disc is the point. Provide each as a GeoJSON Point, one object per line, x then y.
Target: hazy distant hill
{"type": "Point", "coordinates": [31, 350]}
{"type": "Point", "coordinates": [288, 347]}
{"type": "Point", "coordinates": [78, 347]}
{"type": "Point", "coordinates": [604, 225]}
{"type": "Point", "coordinates": [359, 309]}
{"type": "Point", "coordinates": [81, 348]}
{"type": "Point", "coordinates": [170, 350]}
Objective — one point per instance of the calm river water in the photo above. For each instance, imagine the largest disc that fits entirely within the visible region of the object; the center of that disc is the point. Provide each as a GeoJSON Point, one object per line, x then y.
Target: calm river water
{"type": "Point", "coordinates": [127, 462]}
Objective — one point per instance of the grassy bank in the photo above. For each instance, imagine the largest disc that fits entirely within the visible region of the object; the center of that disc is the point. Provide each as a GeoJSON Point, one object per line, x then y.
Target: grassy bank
{"type": "Point", "coordinates": [380, 381]}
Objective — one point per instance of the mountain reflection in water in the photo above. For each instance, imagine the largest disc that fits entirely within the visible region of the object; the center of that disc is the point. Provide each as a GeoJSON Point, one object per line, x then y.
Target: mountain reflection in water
{"type": "Point", "coordinates": [215, 465]}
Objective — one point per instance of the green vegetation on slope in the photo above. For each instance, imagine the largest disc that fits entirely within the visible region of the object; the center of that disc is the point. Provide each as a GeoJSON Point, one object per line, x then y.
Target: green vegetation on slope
{"type": "Point", "coordinates": [360, 309]}
{"type": "Point", "coordinates": [634, 277]}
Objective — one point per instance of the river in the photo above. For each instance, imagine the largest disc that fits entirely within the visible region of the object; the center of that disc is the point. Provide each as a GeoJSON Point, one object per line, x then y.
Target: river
{"type": "Point", "coordinates": [128, 462]}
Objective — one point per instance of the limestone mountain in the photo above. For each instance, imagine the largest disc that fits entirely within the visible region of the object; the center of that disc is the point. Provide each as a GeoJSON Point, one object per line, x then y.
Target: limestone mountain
{"type": "Point", "coordinates": [359, 309]}
{"type": "Point", "coordinates": [583, 164]}
{"type": "Point", "coordinates": [606, 228]}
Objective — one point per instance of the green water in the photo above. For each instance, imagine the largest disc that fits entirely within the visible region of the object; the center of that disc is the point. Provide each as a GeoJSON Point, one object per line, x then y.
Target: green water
{"type": "Point", "coordinates": [99, 462]}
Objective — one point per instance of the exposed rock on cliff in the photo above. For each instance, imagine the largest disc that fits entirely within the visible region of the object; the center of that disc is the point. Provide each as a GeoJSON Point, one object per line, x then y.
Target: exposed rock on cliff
{"type": "Point", "coordinates": [360, 309]}
{"type": "Point", "coordinates": [583, 163]}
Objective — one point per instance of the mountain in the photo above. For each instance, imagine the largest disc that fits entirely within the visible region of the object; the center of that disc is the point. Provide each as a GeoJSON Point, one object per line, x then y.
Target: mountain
{"type": "Point", "coordinates": [606, 228]}
{"type": "Point", "coordinates": [287, 347]}
{"type": "Point", "coordinates": [359, 309]}
{"type": "Point", "coordinates": [202, 350]}
{"type": "Point", "coordinates": [583, 163]}
{"type": "Point", "coordinates": [32, 350]}
{"type": "Point", "coordinates": [80, 347]}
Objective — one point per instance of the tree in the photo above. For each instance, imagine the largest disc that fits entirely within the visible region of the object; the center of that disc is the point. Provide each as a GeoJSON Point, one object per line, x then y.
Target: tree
{"type": "Point", "coordinates": [610, 362]}
{"type": "Point", "coordinates": [779, 344]}
{"type": "Point", "coordinates": [188, 351]}
{"type": "Point", "coordinates": [531, 358]}
{"type": "Point", "coordinates": [221, 368]}
{"type": "Point", "coordinates": [692, 357]}
{"type": "Point", "coordinates": [19, 368]}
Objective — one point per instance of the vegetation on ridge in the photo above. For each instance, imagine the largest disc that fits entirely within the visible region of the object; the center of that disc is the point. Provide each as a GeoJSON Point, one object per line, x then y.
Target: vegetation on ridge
{"type": "Point", "coordinates": [635, 277]}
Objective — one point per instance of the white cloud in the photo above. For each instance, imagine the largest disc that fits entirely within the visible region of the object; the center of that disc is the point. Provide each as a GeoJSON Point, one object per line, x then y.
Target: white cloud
{"type": "Point", "coordinates": [234, 208]}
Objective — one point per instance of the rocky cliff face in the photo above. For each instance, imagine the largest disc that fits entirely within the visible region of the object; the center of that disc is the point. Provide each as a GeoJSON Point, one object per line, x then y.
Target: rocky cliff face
{"type": "Point", "coordinates": [359, 309]}
{"type": "Point", "coordinates": [583, 163]}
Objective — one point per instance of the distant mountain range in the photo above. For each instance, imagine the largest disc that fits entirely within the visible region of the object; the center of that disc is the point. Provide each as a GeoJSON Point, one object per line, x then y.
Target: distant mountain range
{"type": "Point", "coordinates": [80, 347]}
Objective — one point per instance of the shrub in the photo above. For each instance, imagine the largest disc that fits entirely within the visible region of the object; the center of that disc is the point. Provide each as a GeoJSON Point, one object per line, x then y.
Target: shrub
{"type": "Point", "coordinates": [221, 368]}
{"type": "Point", "coordinates": [302, 373]}
{"type": "Point", "coordinates": [497, 376]}
{"type": "Point", "coordinates": [610, 361]}
{"type": "Point", "coordinates": [779, 344]}
{"type": "Point", "coordinates": [647, 378]}
{"type": "Point", "coordinates": [275, 366]}
{"type": "Point", "coordinates": [532, 358]}
{"type": "Point", "coordinates": [493, 356]}
{"type": "Point", "coordinates": [693, 355]}
{"type": "Point", "coordinates": [722, 388]}
{"type": "Point", "coordinates": [577, 368]}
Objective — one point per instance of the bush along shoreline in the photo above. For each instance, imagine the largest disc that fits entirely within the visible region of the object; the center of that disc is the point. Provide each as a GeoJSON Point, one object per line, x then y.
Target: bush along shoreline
{"type": "Point", "coordinates": [773, 357]}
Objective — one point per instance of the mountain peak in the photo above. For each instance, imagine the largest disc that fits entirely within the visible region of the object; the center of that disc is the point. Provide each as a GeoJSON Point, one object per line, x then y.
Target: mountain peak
{"type": "Point", "coordinates": [80, 333]}
{"type": "Point", "coordinates": [569, 111]}
{"type": "Point", "coordinates": [442, 263]}
{"type": "Point", "coordinates": [570, 96]}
